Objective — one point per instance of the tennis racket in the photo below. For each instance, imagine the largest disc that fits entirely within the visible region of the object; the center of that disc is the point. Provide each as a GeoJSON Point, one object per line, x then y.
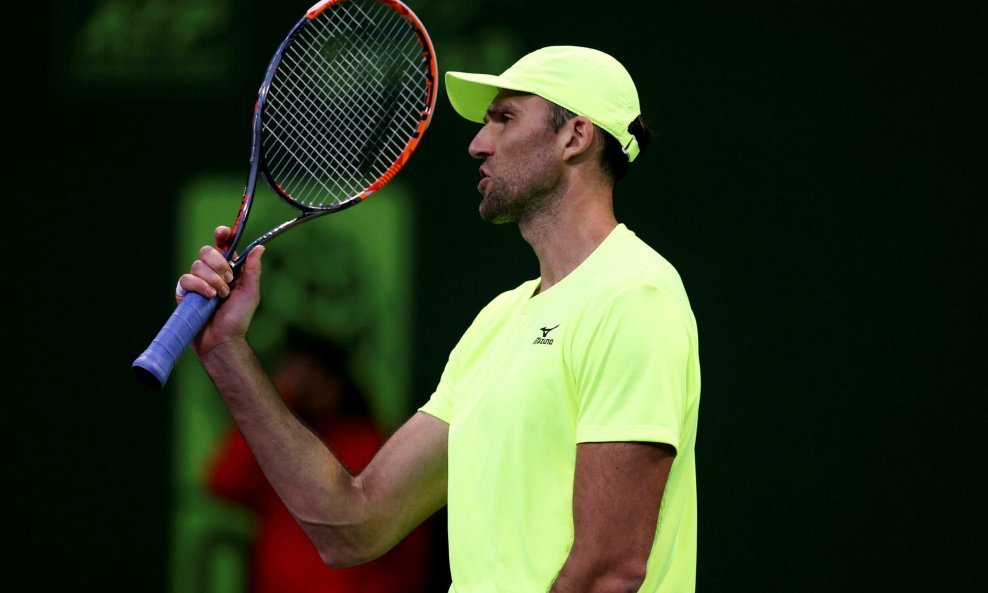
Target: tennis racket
{"type": "Point", "coordinates": [343, 104]}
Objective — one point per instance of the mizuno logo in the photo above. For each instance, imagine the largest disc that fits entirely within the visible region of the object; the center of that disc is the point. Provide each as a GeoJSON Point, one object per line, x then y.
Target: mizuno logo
{"type": "Point", "coordinates": [545, 339]}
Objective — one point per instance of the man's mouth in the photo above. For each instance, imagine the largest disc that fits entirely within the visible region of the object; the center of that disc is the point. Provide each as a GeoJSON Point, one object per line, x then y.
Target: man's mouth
{"type": "Point", "coordinates": [485, 180]}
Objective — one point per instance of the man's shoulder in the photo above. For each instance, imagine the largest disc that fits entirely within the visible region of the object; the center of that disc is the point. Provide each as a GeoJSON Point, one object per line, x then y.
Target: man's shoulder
{"type": "Point", "coordinates": [632, 262]}
{"type": "Point", "coordinates": [633, 274]}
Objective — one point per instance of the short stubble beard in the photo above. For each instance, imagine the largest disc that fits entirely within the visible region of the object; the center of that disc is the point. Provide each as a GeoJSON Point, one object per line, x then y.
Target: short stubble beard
{"type": "Point", "coordinates": [530, 192]}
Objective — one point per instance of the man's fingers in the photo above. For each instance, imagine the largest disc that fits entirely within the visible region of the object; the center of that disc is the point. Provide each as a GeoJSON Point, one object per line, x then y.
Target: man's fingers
{"type": "Point", "coordinates": [206, 280]}
{"type": "Point", "coordinates": [214, 259]}
{"type": "Point", "coordinates": [191, 283]}
{"type": "Point", "coordinates": [221, 235]}
{"type": "Point", "coordinates": [251, 272]}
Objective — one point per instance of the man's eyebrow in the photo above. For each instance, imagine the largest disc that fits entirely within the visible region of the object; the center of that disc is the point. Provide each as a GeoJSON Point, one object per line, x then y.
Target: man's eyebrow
{"type": "Point", "coordinates": [502, 106]}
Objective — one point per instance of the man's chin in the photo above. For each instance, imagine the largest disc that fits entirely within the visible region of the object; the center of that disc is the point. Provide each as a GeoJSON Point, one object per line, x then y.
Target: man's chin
{"type": "Point", "coordinates": [494, 214]}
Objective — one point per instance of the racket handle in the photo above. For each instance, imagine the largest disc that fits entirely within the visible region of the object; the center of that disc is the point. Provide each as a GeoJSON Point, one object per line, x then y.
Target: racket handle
{"type": "Point", "coordinates": [156, 363]}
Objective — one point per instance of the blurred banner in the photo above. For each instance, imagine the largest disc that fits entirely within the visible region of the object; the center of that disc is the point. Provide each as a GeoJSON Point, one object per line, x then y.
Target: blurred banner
{"type": "Point", "coordinates": [136, 43]}
{"type": "Point", "coordinates": [209, 48]}
{"type": "Point", "coordinates": [346, 276]}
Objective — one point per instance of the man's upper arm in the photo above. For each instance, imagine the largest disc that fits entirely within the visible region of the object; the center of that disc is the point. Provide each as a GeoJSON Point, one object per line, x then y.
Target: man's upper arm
{"type": "Point", "coordinates": [617, 494]}
{"type": "Point", "coordinates": [633, 379]}
{"type": "Point", "coordinates": [406, 481]}
{"type": "Point", "coordinates": [402, 486]}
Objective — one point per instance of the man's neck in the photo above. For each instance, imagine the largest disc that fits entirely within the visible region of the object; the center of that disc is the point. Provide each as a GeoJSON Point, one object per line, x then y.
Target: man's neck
{"type": "Point", "coordinates": [566, 234]}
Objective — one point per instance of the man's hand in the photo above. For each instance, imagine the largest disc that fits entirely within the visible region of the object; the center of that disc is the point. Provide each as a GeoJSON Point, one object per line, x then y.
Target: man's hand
{"type": "Point", "coordinates": [211, 276]}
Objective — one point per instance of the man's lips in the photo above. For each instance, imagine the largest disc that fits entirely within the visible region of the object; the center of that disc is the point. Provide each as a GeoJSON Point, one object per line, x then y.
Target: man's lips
{"type": "Point", "coordinates": [485, 179]}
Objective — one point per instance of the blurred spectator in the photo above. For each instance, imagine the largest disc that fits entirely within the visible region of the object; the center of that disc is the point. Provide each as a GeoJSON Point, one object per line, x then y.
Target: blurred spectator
{"type": "Point", "coordinates": [312, 376]}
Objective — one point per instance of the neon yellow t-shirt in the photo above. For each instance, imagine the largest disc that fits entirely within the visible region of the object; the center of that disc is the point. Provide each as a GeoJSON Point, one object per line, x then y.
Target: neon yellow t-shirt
{"type": "Point", "coordinates": [607, 354]}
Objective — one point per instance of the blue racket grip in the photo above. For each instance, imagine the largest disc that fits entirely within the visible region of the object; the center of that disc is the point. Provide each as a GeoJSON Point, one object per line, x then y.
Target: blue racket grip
{"type": "Point", "coordinates": [156, 363]}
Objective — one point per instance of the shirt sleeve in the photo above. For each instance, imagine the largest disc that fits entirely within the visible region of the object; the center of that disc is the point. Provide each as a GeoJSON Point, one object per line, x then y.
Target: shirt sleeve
{"type": "Point", "coordinates": [440, 403]}
{"type": "Point", "coordinates": [631, 370]}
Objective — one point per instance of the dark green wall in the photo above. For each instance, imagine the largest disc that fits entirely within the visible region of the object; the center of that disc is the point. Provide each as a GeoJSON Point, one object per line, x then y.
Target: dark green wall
{"type": "Point", "coordinates": [809, 178]}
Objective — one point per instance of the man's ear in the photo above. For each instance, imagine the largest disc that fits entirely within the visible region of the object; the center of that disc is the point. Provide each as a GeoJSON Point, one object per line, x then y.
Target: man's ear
{"type": "Point", "coordinates": [579, 136]}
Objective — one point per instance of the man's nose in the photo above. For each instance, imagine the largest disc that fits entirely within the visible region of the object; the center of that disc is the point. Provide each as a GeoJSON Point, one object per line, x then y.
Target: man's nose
{"type": "Point", "coordinates": [480, 147]}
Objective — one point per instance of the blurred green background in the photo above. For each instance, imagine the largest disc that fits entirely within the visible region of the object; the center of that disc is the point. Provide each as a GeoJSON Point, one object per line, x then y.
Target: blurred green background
{"type": "Point", "coordinates": [811, 177]}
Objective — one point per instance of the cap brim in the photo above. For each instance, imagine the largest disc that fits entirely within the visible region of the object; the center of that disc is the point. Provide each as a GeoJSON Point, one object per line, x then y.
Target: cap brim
{"type": "Point", "coordinates": [471, 94]}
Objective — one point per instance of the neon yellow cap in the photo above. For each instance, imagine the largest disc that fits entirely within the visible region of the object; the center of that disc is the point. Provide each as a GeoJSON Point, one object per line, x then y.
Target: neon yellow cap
{"type": "Point", "coordinates": [583, 80]}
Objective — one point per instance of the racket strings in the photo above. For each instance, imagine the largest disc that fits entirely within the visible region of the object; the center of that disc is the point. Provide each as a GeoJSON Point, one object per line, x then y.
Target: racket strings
{"type": "Point", "coordinates": [305, 152]}
{"type": "Point", "coordinates": [380, 103]}
{"type": "Point", "coordinates": [347, 99]}
{"type": "Point", "coordinates": [326, 129]}
{"type": "Point", "coordinates": [348, 152]}
{"type": "Point", "coordinates": [377, 105]}
{"type": "Point", "coordinates": [311, 132]}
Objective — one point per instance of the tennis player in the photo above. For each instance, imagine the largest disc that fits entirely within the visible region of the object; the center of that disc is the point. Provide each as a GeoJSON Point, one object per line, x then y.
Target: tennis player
{"type": "Point", "coordinates": [561, 433]}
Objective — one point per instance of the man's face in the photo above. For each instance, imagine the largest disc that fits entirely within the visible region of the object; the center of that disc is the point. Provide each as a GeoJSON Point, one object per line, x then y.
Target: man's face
{"type": "Point", "coordinates": [522, 164]}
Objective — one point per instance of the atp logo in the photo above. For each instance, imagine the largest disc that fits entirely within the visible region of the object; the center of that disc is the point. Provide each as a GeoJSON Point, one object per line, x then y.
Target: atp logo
{"type": "Point", "coordinates": [545, 339]}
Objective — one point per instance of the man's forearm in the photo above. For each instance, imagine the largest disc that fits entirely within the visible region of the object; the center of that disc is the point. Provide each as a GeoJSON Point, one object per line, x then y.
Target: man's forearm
{"type": "Point", "coordinates": [315, 487]}
{"type": "Point", "coordinates": [350, 519]}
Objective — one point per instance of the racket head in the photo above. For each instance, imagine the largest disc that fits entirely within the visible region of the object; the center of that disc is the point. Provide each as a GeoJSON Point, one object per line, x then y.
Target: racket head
{"type": "Point", "coordinates": [345, 102]}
